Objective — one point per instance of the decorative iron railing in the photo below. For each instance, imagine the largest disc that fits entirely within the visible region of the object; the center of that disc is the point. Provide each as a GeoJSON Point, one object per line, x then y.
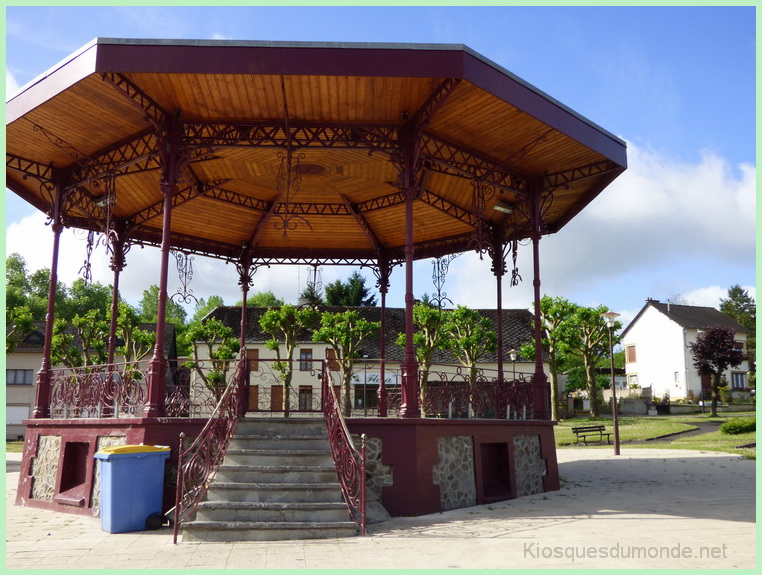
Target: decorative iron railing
{"type": "Point", "coordinates": [198, 463]}
{"type": "Point", "coordinates": [350, 462]}
{"type": "Point", "coordinates": [115, 390]}
{"type": "Point", "coordinates": [450, 393]}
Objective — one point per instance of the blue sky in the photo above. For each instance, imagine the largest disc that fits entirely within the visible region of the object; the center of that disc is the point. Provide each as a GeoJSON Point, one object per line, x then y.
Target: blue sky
{"type": "Point", "coordinates": [678, 84]}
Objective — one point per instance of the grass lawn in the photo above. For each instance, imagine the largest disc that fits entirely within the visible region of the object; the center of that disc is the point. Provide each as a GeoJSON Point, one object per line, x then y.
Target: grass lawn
{"type": "Point", "coordinates": [649, 427]}
{"type": "Point", "coordinates": [630, 428]}
{"type": "Point", "coordinates": [14, 446]}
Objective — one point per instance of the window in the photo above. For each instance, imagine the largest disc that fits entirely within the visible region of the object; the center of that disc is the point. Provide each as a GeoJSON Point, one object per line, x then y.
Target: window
{"type": "Point", "coordinates": [632, 381]}
{"type": "Point", "coordinates": [19, 376]}
{"type": "Point", "coordinates": [630, 354]}
{"type": "Point", "coordinates": [739, 379]}
{"type": "Point", "coordinates": [305, 360]}
{"type": "Point", "coordinates": [252, 356]}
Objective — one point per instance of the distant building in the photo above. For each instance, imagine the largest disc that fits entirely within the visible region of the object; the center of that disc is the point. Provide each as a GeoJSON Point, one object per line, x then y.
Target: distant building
{"type": "Point", "coordinates": [657, 349]}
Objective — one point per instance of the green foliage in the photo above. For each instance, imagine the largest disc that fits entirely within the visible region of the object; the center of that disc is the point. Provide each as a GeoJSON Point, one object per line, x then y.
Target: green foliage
{"type": "Point", "coordinates": [353, 293]}
{"type": "Point", "coordinates": [429, 336]}
{"type": "Point", "coordinates": [345, 332]}
{"type": "Point", "coordinates": [220, 347]}
{"type": "Point", "coordinates": [18, 324]}
{"type": "Point", "coordinates": [311, 296]}
{"type": "Point", "coordinates": [739, 425]}
{"type": "Point", "coordinates": [287, 324]}
{"type": "Point", "coordinates": [85, 344]}
{"type": "Point", "coordinates": [204, 307]}
{"type": "Point", "coordinates": [469, 336]}
{"type": "Point", "coordinates": [137, 342]}
{"type": "Point", "coordinates": [264, 299]}
{"type": "Point", "coordinates": [740, 306]}
{"type": "Point", "coordinates": [149, 307]}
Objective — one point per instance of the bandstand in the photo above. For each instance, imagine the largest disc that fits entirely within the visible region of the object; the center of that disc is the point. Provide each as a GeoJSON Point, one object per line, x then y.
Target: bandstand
{"type": "Point", "coordinates": [267, 153]}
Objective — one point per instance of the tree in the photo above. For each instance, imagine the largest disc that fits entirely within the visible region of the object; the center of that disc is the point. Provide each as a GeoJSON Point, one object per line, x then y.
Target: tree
{"type": "Point", "coordinates": [311, 296]}
{"type": "Point", "coordinates": [220, 346]}
{"type": "Point", "coordinates": [353, 293]}
{"type": "Point", "coordinates": [18, 325]}
{"type": "Point", "coordinates": [713, 352]}
{"type": "Point", "coordinates": [555, 315]}
{"type": "Point", "coordinates": [204, 307]}
{"type": "Point", "coordinates": [84, 343]}
{"type": "Point", "coordinates": [587, 337]}
{"type": "Point", "coordinates": [263, 299]}
{"type": "Point", "coordinates": [740, 306]}
{"type": "Point", "coordinates": [136, 342]}
{"type": "Point", "coordinates": [149, 308]}
{"type": "Point", "coordinates": [345, 332]}
{"type": "Point", "coordinates": [428, 337]}
{"type": "Point", "coordinates": [286, 324]}
{"type": "Point", "coordinates": [83, 297]}
{"type": "Point", "coordinates": [469, 336]}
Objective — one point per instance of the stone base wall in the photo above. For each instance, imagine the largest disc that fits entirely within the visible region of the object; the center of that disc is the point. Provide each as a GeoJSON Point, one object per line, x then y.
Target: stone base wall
{"type": "Point", "coordinates": [454, 472]}
{"type": "Point", "coordinates": [529, 465]}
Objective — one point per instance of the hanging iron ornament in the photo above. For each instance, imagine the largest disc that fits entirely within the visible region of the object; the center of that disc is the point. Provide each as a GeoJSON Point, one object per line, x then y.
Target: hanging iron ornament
{"type": "Point", "coordinates": [287, 184]}
{"type": "Point", "coordinates": [515, 276]}
{"type": "Point", "coordinates": [315, 277]}
{"type": "Point", "coordinates": [481, 193]}
{"type": "Point", "coordinates": [185, 270]}
{"type": "Point", "coordinates": [86, 270]}
{"type": "Point", "coordinates": [441, 267]}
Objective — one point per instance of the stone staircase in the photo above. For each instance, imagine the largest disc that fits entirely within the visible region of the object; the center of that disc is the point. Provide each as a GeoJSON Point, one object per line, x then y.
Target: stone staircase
{"type": "Point", "coordinates": [278, 481]}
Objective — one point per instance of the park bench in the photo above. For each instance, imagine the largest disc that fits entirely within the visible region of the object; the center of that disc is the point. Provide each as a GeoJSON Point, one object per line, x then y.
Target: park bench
{"type": "Point", "coordinates": [590, 431]}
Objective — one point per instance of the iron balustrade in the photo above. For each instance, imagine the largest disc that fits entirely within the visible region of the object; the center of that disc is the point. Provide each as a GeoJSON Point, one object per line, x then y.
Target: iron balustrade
{"type": "Point", "coordinates": [197, 464]}
{"type": "Point", "coordinates": [114, 390]}
{"type": "Point", "coordinates": [350, 462]}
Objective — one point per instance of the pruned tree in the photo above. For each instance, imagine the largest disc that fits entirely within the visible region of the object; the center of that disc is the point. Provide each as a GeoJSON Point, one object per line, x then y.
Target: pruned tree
{"type": "Point", "coordinates": [713, 352]}
{"type": "Point", "coordinates": [286, 324]}
{"type": "Point", "coordinates": [429, 336]}
{"type": "Point", "coordinates": [220, 346]}
{"type": "Point", "coordinates": [469, 336]}
{"type": "Point", "coordinates": [19, 323]}
{"type": "Point", "coordinates": [84, 343]}
{"type": "Point", "coordinates": [586, 336]}
{"type": "Point", "coordinates": [136, 342]}
{"type": "Point", "coordinates": [555, 315]}
{"type": "Point", "coordinates": [344, 333]}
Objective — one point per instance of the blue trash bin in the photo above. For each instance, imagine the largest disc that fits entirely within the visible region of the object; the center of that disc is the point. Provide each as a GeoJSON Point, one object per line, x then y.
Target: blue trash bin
{"type": "Point", "coordinates": [132, 486]}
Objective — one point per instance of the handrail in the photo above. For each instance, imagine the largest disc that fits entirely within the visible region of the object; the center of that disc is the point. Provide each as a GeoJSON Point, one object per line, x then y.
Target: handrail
{"type": "Point", "coordinates": [207, 451]}
{"type": "Point", "coordinates": [350, 462]}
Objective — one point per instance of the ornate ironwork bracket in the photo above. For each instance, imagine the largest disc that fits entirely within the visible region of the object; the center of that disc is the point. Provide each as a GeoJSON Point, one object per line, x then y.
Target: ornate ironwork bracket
{"type": "Point", "coordinates": [481, 193]}
{"type": "Point", "coordinates": [185, 271]}
{"type": "Point", "coordinates": [439, 274]}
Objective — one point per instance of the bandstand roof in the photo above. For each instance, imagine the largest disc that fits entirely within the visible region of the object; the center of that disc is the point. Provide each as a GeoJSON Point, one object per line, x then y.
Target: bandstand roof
{"type": "Point", "coordinates": [337, 117]}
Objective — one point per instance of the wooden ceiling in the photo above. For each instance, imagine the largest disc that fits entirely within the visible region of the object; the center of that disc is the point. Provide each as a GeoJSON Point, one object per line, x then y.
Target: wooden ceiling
{"type": "Point", "coordinates": [294, 150]}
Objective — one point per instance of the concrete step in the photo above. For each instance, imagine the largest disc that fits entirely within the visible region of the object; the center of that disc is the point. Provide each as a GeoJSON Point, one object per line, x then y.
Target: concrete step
{"type": "Point", "coordinates": [277, 458]}
{"type": "Point", "coordinates": [256, 512]}
{"type": "Point", "coordinates": [259, 441]}
{"type": "Point", "coordinates": [282, 427]}
{"type": "Point", "coordinates": [275, 492]}
{"type": "Point", "coordinates": [279, 474]}
{"type": "Point", "coordinates": [219, 531]}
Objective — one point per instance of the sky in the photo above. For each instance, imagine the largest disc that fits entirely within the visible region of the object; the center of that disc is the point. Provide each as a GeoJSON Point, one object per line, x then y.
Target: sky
{"type": "Point", "coordinates": [676, 83]}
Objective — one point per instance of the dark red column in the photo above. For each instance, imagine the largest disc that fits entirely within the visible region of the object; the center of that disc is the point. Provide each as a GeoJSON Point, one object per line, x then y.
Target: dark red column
{"type": "Point", "coordinates": [539, 379]}
{"type": "Point", "coordinates": [498, 268]}
{"type": "Point", "coordinates": [157, 369]}
{"type": "Point", "coordinates": [42, 394]}
{"type": "Point", "coordinates": [410, 402]}
{"type": "Point", "coordinates": [383, 286]}
{"type": "Point", "coordinates": [117, 265]}
{"type": "Point", "coordinates": [245, 272]}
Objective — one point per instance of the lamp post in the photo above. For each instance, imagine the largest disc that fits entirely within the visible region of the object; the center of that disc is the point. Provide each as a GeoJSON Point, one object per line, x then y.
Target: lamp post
{"type": "Point", "coordinates": [610, 318]}
{"type": "Point", "coordinates": [513, 354]}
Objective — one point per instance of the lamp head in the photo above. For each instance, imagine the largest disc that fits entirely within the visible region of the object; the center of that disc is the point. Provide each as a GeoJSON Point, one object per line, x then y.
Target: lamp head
{"type": "Point", "coordinates": [610, 317]}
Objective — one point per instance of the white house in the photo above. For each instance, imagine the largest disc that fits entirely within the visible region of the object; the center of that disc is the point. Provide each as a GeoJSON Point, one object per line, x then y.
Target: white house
{"type": "Point", "coordinates": [657, 349]}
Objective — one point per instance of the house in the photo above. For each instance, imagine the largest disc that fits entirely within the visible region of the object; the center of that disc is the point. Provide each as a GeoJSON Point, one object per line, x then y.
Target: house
{"type": "Point", "coordinates": [22, 365]}
{"type": "Point", "coordinates": [657, 349]}
{"type": "Point", "coordinates": [517, 330]}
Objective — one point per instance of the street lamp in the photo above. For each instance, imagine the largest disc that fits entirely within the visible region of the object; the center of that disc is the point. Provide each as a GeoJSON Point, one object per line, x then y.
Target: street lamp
{"type": "Point", "coordinates": [610, 318]}
{"type": "Point", "coordinates": [513, 354]}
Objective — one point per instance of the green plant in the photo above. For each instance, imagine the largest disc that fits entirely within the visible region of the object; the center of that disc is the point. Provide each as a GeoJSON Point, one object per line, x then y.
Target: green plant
{"type": "Point", "coordinates": [739, 425]}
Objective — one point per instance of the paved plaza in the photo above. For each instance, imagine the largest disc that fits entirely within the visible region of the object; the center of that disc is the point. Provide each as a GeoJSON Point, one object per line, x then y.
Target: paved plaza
{"type": "Point", "coordinates": [647, 508]}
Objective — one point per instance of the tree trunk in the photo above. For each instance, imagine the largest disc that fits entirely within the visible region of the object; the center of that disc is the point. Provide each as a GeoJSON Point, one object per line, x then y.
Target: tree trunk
{"type": "Point", "coordinates": [591, 388]}
{"type": "Point", "coordinates": [715, 392]}
{"type": "Point", "coordinates": [347, 394]}
{"type": "Point", "coordinates": [553, 391]}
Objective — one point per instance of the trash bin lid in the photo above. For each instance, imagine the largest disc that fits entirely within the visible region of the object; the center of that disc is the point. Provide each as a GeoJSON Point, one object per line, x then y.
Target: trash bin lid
{"type": "Point", "coordinates": [121, 449]}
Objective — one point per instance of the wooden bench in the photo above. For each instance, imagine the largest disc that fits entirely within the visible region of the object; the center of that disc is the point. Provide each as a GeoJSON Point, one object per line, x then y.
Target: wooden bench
{"type": "Point", "coordinates": [590, 431]}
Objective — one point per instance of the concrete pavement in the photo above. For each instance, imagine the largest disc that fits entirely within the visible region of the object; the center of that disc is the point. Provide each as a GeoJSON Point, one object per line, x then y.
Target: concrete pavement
{"type": "Point", "coordinates": [647, 508]}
